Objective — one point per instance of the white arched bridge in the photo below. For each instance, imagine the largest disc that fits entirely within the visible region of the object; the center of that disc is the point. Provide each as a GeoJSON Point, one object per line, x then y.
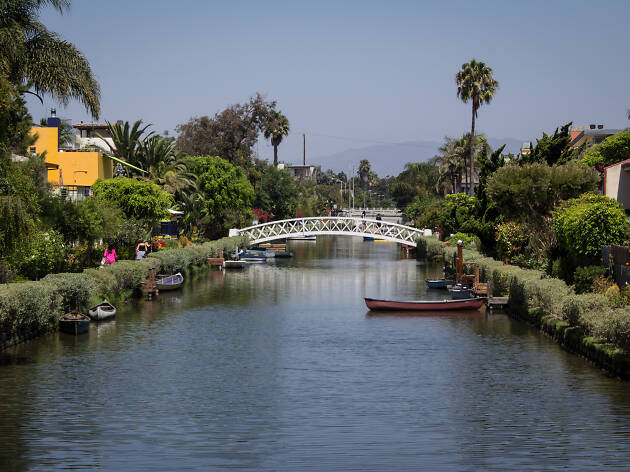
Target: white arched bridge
{"type": "Point", "coordinates": [334, 225]}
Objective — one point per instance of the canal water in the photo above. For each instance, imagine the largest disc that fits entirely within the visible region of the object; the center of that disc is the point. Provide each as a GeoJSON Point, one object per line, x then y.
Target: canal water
{"type": "Point", "coordinates": [281, 367]}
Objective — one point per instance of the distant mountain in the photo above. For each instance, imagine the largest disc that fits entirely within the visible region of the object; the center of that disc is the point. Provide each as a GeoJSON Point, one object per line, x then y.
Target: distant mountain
{"type": "Point", "coordinates": [390, 159]}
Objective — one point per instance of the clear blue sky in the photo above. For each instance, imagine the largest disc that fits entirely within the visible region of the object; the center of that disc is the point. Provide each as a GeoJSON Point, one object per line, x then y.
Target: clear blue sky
{"type": "Point", "coordinates": [364, 71]}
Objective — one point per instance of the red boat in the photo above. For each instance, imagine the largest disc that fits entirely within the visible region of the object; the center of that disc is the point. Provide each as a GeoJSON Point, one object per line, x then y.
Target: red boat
{"type": "Point", "coordinates": [422, 305]}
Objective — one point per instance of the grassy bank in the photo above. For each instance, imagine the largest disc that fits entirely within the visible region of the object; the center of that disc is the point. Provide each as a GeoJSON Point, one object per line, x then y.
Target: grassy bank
{"type": "Point", "coordinates": [584, 324]}
{"type": "Point", "coordinates": [33, 308]}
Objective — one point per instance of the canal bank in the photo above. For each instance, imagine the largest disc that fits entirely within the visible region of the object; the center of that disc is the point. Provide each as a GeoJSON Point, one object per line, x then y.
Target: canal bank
{"type": "Point", "coordinates": [551, 306]}
{"type": "Point", "coordinates": [30, 309]}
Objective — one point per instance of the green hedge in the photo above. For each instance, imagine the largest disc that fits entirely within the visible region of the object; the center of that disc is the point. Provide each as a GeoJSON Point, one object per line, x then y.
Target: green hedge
{"type": "Point", "coordinates": [31, 308]}
{"type": "Point", "coordinates": [527, 288]}
{"type": "Point", "coordinates": [586, 324]}
{"type": "Point", "coordinates": [429, 247]}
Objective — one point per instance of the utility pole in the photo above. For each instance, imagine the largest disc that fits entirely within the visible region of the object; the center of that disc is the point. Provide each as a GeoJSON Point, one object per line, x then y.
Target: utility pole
{"type": "Point", "coordinates": [304, 148]}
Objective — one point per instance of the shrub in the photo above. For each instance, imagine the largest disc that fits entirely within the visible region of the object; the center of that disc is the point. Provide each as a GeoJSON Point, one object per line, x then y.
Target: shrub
{"type": "Point", "coordinates": [469, 241]}
{"type": "Point", "coordinates": [74, 289]}
{"type": "Point", "coordinates": [512, 239]}
{"type": "Point", "coordinates": [584, 276]}
{"type": "Point", "coordinates": [45, 254]}
{"type": "Point", "coordinates": [580, 310]}
{"type": "Point", "coordinates": [137, 199]}
{"type": "Point", "coordinates": [27, 307]}
{"type": "Point", "coordinates": [428, 248]}
{"type": "Point", "coordinates": [583, 225]}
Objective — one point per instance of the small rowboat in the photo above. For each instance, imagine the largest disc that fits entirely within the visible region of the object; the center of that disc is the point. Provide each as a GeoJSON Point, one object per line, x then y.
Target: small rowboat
{"type": "Point", "coordinates": [439, 283]}
{"type": "Point", "coordinates": [74, 323]}
{"type": "Point", "coordinates": [102, 311]}
{"type": "Point", "coordinates": [425, 305]}
{"type": "Point", "coordinates": [170, 282]}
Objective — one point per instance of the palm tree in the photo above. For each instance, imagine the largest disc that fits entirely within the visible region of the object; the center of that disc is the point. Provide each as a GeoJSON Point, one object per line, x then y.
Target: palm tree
{"type": "Point", "coordinates": [452, 161]}
{"type": "Point", "coordinates": [33, 57]}
{"type": "Point", "coordinates": [476, 83]}
{"type": "Point", "coordinates": [364, 172]}
{"type": "Point", "coordinates": [276, 127]}
{"type": "Point", "coordinates": [127, 141]}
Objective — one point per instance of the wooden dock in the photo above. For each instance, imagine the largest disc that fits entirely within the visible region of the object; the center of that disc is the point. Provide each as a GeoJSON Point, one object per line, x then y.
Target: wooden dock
{"type": "Point", "coordinates": [496, 302]}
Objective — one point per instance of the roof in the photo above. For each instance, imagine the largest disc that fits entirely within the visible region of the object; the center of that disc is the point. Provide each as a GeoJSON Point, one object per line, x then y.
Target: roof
{"type": "Point", "coordinates": [626, 161]}
{"type": "Point", "coordinates": [90, 125]}
{"type": "Point", "coordinates": [595, 132]}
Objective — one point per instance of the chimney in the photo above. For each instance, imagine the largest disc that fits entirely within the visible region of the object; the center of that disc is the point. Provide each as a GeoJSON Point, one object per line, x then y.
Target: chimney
{"type": "Point", "coordinates": [53, 113]}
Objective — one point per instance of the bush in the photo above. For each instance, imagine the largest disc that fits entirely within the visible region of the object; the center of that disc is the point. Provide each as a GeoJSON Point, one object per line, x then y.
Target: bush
{"type": "Point", "coordinates": [26, 308]}
{"type": "Point", "coordinates": [583, 225]}
{"type": "Point", "coordinates": [469, 241]}
{"type": "Point", "coordinates": [429, 248]}
{"type": "Point", "coordinates": [584, 276]}
{"type": "Point", "coordinates": [512, 240]}
{"type": "Point", "coordinates": [74, 289]}
{"type": "Point", "coordinates": [45, 254]}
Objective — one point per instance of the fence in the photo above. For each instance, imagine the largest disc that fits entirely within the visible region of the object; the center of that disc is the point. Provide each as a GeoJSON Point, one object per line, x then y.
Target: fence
{"type": "Point", "coordinates": [617, 260]}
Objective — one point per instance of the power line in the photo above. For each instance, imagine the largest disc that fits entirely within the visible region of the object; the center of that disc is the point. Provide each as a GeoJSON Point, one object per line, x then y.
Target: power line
{"type": "Point", "coordinates": [366, 140]}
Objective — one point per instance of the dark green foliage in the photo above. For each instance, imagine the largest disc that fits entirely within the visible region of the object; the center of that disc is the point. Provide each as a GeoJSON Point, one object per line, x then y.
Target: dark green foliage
{"type": "Point", "coordinates": [459, 214]}
{"type": "Point", "coordinates": [227, 193]}
{"type": "Point", "coordinates": [531, 191]}
{"type": "Point", "coordinates": [417, 181]}
{"type": "Point", "coordinates": [84, 221]}
{"type": "Point", "coordinates": [15, 121]}
{"type": "Point", "coordinates": [613, 149]}
{"type": "Point", "coordinates": [137, 199]}
{"type": "Point", "coordinates": [552, 150]}
{"type": "Point", "coordinates": [420, 205]}
{"type": "Point", "coordinates": [31, 54]}
{"type": "Point", "coordinates": [583, 225]}
{"type": "Point", "coordinates": [277, 193]}
{"type": "Point", "coordinates": [230, 134]}
{"type": "Point", "coordinates": [584, 276]}
{"type": "Point", "coordinates": [43, 253]}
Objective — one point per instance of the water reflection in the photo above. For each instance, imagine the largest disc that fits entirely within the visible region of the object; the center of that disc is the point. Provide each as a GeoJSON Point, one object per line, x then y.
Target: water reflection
{"type": "Point", "coordinates": [280, 367]}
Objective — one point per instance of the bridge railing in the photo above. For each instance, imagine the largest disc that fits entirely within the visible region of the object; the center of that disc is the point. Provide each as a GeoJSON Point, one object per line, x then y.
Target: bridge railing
{"type": "Point", "coordinates": [331, 225]}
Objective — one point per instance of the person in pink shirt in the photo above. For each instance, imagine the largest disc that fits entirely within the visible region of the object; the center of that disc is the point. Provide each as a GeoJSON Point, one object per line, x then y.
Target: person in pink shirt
{"type": "Point", "coordinates": [109, 256]}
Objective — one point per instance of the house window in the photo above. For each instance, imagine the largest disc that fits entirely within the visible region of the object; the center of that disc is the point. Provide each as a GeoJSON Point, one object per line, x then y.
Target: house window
{"type": "Point", "coordinates": [32, 150]}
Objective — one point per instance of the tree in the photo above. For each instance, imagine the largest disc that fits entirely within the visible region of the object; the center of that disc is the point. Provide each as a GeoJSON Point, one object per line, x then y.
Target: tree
{"type": "Point", "coordinates": [138, 200]}
{"type": "Point", "coordinates": [277, 193]}
{"type": "Point", "coordinates": [15, 121]}
{"type": "Point", "coordinates": [364, 172]}
{"type": "Point", "coordinates": [230, 134]}
{"type": "Point", "coordinates": [552, 150]}
{"type": "Point", "coordinates": [613, 149]}
{"type": "Point", "coordinates": [459, 213]}
{"type": "Point", "coordinates": [226, 192]}
{"type": "Point", "coordinates": [528, 192]}
{"type": "Point", "coordinates": [276, 127]}
{"type": "Point", "coordinates": [418, 179]}
{"type": "Point", "coordinates": [33, 56]}
{"type": "Point", "coordinates": [127, 141]}
{"type": "Point", "coordinates": [583, 225]}
{"type": "Point", "coordinates": [475, 83]}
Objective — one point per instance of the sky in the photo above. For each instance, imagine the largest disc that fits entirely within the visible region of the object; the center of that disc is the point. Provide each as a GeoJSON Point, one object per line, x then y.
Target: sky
{"type": "Point", "coordinates": [352, 74]}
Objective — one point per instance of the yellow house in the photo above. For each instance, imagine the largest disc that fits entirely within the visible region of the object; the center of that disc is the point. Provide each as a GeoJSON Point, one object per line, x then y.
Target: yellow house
{"type": "Point", "coordinates": [69, 168]}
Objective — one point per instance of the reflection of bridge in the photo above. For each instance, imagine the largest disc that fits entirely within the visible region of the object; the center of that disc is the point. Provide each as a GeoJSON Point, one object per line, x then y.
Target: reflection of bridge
{"type": "Point", "coordinates": [331, 225]}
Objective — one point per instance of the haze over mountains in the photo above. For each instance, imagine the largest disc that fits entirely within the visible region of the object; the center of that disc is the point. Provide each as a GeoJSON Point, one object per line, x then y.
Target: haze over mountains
{"type": "Point", "coordinates": [390, 159]}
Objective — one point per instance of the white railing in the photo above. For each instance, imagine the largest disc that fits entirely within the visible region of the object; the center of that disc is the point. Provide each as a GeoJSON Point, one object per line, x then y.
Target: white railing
{"type": "Point", "coordinates": [333, 226]}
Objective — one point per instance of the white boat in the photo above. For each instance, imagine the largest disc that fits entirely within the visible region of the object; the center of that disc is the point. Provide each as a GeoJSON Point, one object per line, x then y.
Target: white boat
{"type": "Point", "coordinates": [102, 311]}
{"type": "Point", "coordinates": [234, 264]}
